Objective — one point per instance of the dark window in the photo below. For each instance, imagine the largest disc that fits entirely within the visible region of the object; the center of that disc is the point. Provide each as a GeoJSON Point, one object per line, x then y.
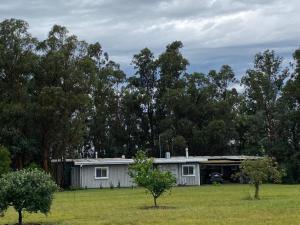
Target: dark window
{"type": "Point", "coordinates": [188, 170]}
{"type": "Point", "coordinates": [101, 172]}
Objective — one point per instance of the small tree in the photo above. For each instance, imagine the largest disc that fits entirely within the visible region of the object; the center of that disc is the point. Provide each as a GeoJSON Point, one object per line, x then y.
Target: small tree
{"type": "Point", "coordinates": [259, 171]}
{"type": "Point", "coordinates": [5, 160]}
{"type": "Point", "coordinates": [145, 175]}
{"type": "Point", "coordinates": [29, 189]}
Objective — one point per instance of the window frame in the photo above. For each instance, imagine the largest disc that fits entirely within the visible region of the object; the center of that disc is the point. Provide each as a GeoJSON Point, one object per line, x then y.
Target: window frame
{"type": "Point", "coordinates": [107, 172]}
{"type": "Point", "coordinates": [188, 175]}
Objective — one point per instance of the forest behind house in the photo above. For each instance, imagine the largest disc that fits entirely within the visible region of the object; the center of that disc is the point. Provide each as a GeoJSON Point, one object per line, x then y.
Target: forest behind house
{"type": "Point", "coordinates": [65, 98]}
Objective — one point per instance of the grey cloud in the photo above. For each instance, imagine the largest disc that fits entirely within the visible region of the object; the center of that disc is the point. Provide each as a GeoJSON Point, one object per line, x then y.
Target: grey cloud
{"type": "Point", "coordinates": [214, 32]}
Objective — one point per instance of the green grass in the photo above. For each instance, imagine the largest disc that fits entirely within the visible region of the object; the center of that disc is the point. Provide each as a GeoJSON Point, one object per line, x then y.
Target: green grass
{"type": "Point", "coordinates": [207, 205]}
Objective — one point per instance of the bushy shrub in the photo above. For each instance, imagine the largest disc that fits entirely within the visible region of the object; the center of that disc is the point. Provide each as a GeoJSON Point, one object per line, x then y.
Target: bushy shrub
{"type": "Point", "coordinates": [259, 171]}
{"type": "Point", "coordinates": [145, 175]}
{"type": "Point", "coordinates": [28, 190]}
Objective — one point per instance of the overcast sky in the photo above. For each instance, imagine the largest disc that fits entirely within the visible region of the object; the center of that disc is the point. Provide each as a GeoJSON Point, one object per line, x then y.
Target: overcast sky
{"type": "Point", "coordinates": [214, 32]}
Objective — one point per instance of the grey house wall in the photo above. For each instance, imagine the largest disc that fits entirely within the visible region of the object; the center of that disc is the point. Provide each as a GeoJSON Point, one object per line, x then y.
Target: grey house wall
{"type": "Point", "coordinates": [117, 174]}
{"type": "Point", "coordinates": [85, 176]}
{"type": "Point", "coordinates": [176, 169]}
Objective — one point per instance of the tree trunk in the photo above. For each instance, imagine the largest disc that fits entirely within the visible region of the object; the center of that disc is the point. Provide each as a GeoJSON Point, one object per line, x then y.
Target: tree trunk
{"type": "Point", "coordinates": [150, 118]}
{"type": "Point", "coordinates": [256, 196]}
{"type": "Point", "coordinates": [271, 132]}
{"type": "Point", "coordinates": [20, 217]}
{"type": "Point", "coordinates": [19, 162]}
{"type": "Point", "coordinates": [45, 159]}
{"type": "Point", "coordinates": [45, 151]}
{"type": "Point", "coordinates": [62, 177]}
{"type": "Point", "coordinates": [155, 203]}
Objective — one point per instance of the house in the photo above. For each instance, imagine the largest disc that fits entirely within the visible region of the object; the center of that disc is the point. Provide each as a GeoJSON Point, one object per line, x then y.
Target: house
{"type": "Point", "coordinates": [113, 172]}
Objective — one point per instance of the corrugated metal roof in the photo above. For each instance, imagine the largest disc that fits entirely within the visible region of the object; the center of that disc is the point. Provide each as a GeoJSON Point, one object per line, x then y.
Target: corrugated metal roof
{"type": "Point", "coordinates": [103, 161]}
{"type": "Point", "coordinates": [231, 157]}
{"type": "Point", "coordinates": [121, 161]}
{"type": "Point", "coordinates": [176, 159]}
{"type": "Point", "coordinates": [222, 162]}
{"type": "Point", "coordinates": [190, 159]}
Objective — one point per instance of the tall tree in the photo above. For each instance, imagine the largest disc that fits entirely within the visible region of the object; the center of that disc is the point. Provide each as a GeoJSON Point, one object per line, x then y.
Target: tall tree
{"type": "Point", "coordinates": [145, 81]}
{"type": "Point", "coordinates": [17, 67]}
{"type": "Point", "coordinates": [172, 68]}
{"type": "Point", "coordinates": [220, 130]}
{"type": "Point", "coordinates": [263, 86]}
{"type": "Point", "coordinates": [62, 96]}
{"type": "Point", "coordinates": [288, 117]}
{"type": "Point", "coordinates": [106, 122]}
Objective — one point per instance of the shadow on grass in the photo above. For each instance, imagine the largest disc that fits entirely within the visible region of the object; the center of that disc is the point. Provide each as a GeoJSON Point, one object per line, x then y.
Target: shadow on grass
{"type": "Point", "coordinates": [34, 224]}
{"type": "Point", "coordinates": [156, 207]}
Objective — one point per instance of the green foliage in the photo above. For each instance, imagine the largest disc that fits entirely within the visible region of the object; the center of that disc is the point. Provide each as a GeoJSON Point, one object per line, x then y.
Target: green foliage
{"type": "Point", "coordinates": [215, 183]}
{"type": "Point", "coordinates": [33, 165]}
{"type": "Point", "coordinates": [62, 97]}
{"type": "Point", "coordinates": [288, 115]}
{"type": "Point", "coordinates": [263, 87]}
{"type": "Point", "coordinates": [259, 171]}
{"type": "Point", "coordinates": [64, 85]}
{"type": "Point", "coordinates": [18, 63]}
{"type": "Point", "coordinates": [154, 180]}
{"type": "Point", "coordinates": [29, 189]}
{"type": "Point", "coordinates": [5, 160]}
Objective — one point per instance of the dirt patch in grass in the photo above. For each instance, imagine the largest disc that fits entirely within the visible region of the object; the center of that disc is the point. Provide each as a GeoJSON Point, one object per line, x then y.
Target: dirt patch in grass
{"type": "Point", "coordinates": [157, 207]}
{"type": "Point", "coordinates": [33, 224]}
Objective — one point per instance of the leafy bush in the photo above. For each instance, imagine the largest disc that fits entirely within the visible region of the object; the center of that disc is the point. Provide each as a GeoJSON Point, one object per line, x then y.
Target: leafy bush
{"type": "Point", "coordinates": [145, 175]}
{"type": "Point", "coordinates": [259, 171]}
{"type": "Point", "coordinates": [29, 189]}
{"type": "Point", "coordinates": [215, 183]}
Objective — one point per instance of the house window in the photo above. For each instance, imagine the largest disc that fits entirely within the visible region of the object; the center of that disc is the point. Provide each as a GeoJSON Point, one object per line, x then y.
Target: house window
{"type": "Point", "coordinates": [101, 172]}
{"type": "Point", "coordinates": [188, 170]}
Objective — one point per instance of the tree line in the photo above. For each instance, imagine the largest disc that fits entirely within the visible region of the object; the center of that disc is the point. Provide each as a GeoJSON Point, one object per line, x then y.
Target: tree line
{"type": "Point", "coordinates": [64, 98]}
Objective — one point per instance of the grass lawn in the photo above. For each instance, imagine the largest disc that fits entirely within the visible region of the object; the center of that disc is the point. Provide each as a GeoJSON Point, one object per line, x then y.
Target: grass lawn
{"type": "Point", "coordinates": [207, 205]}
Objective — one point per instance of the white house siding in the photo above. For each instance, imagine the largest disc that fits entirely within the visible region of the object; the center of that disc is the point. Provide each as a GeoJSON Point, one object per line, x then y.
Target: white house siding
{"type": "Point", "coordinates": [84, 176]}
{"type": "Point", "coordinates": [190, 180]}
{"type": "Point", "coordinates": [176, 170]}
{"type": "Point", "coordinates": [118, 174]}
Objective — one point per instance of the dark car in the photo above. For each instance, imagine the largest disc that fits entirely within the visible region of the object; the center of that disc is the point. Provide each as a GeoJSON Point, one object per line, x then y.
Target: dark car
{"type": "Point", "coordinates": [216, 177]}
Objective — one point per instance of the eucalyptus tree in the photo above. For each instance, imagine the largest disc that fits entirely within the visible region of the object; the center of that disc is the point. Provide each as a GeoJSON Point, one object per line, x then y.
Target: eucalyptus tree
{"type": "Point", "coordinates": [136, 128]}
{"type": "Point", "coordinates": [172, 67]}
{"type": "Point", "coordinates": [263, 86]}
{"type": "Point", "coordinates": [17, 67]}
{"type": "Point", "coordinates": [106, 130]}
{"type": "Point", "coordinates": [62, 94]}
{"type": "Point", "coordinates": [145, 81]}
{"type": "Point", "coordinates": [288, 116]}
{"type": "Point", "coordinates": [196, 110]}
{"type": "Point", "coordinates": [220, 129]}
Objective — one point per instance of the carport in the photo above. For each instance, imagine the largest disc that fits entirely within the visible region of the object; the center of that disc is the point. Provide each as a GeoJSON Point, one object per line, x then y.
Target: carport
{"type": "Point", "coordinates": [226, 165]}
